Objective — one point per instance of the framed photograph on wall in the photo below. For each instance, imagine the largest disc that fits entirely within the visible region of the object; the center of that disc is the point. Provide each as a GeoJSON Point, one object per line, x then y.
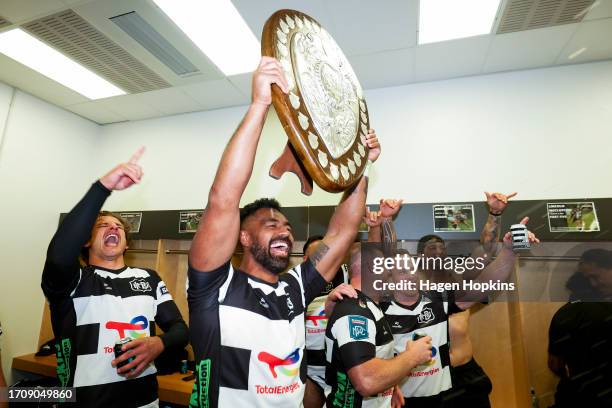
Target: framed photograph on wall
{"type": "Point", "coordinates": [189, 220]}
{"type": "Point", "coordinates": [576, 216]}
{"type": "Point", "coordinates": [134, 219]}
{"type": "Point", "coordinates": [453, 217]}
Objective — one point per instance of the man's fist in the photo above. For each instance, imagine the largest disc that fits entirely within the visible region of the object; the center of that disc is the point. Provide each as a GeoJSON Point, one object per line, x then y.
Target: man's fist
{"type": "Point", "coordinates": [267, 73]}
{"type": "Point", "coordinates": [125, 174]}
{"type": "Point", "coordinates": [144, 350]}
{"type": "Point", "coordinates": [420, 350]}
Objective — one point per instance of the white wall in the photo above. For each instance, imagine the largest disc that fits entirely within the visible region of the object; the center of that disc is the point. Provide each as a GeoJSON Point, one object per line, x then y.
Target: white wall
{"type": "Point", "coordinates": [544, 133]}
{"type": "Point", "coordinates": [45, 167]}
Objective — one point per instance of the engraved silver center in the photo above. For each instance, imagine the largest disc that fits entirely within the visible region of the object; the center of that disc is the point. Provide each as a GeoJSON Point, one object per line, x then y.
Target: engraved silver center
{"type": "Point", "coordinates": [329, 87]}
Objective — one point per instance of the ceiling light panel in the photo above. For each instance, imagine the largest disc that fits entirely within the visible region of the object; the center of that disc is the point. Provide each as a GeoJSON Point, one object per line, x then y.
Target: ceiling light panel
{"type": "Point", "coordinates": [30, 51]}
{"type": "Point", "coordinates": [443, 20]}
{"type": "Point", "coordinates": [218, 29]}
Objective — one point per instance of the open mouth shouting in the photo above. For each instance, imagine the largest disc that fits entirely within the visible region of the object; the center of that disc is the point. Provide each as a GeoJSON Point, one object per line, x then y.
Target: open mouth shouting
{"type": "Point", "coordinates": [112, 239]}
{"type": "Point", "coordinates": [280, 247]}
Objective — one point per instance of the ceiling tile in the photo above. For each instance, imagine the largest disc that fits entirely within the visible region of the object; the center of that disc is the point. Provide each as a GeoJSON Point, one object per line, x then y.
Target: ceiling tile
{"type": "Point", "coordinates": [382, 69]}
{"type": "Point", "coordinates": [98, 14]}
{"type": "Point", "coordinates": [527, 49]}
{"type": "Point", "coordinates": [602, 10]}
{"type": "Point", "coordinates": [215, 94]}
{"type": "Point", "coordinates": [170, 101]}
{"type": "Point", "coordinates": [256, 13]}
{"type": "Point", "coordinates": [132, 107]}
{"type": "Point", "coordinates": [94, 111]}
{"type": "Point", "coordinates": [595, 37]}
{"type": "Point", "coordinates": [18, 11]}
{"type": "Point", "coordinates": [450, 59]}
{"type": "Point", "coordinates": [363, 26]}
{"type": "Point", "coordinates": [242, 82]}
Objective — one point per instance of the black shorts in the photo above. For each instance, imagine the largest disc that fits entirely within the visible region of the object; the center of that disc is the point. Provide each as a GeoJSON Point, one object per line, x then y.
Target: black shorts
{"type": "Point", "coordinates": [471, 387]}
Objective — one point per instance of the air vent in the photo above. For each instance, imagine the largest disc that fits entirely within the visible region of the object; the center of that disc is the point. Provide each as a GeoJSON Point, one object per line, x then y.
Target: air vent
{"type": "Point", "coordinates": [520, 15]}
{"type": "Point", "coordinates": [142, 32]}
{"type": "Point", "coordinates": [70, 34]}
{"type": "Point", "coordinates": [4, 22]}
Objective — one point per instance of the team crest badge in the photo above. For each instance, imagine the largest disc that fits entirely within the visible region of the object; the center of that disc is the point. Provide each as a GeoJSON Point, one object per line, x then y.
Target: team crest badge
{"type": "Point", "coordinates": [358, 327]}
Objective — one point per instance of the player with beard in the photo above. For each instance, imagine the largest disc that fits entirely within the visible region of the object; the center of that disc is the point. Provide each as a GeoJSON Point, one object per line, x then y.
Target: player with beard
{"type": "Point", "coordinates": [247, 323]}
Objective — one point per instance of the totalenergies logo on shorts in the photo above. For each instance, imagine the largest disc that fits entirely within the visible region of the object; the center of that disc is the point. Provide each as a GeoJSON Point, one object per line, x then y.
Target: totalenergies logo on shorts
{"type": "Point", "coordinates": [319, 318]}
{"type": "Point", "coordinates": [139, 323]}
{"type": "Point", "coordinates": [274, 362]}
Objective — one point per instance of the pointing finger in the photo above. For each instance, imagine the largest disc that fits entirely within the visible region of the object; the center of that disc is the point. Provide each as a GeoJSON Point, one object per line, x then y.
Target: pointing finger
{"type": "Point", "coordinates": [136, 156]}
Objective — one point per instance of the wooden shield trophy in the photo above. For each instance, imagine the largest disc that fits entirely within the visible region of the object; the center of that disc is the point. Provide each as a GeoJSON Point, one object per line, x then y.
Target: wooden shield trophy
{"type": "Point", "coordinates": [324, 114]}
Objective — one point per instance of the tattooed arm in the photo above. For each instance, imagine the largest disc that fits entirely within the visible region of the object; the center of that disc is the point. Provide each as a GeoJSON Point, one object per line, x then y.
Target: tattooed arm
{"type": "Point", "coordinates": [344, 224]}
{"type": "Point", "coordinates": [491, 232]}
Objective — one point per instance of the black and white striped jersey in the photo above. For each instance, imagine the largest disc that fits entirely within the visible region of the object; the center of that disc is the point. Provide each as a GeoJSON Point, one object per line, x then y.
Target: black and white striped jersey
{"type": "Point", "coordinates": [316, 322]}
{"type": "Point", "coordinates": [356, 333]}
{"type": "Point", "coordinates": [105, 306]}
{"type": "Point", "coordinates": [92, 307]}
{"type": "Point", "coordinates": [248, 336]}
{"type": "Point", "coordinates": [429, 316]}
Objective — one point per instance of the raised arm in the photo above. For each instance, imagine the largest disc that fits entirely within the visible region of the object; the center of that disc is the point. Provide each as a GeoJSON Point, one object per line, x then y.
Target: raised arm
{"type": "Point", "coordinates": [491, 232]}
{"type": "Point", "coordinates": [381, 221]}
{"type": "Point", "coordinates": [500, 269]}
{"type": "Point", "coordinates": [217, 234]}
{"type": "Point", "coordinates": [61, 270]}
{"type": "Point", "coordinates": [344, 224]}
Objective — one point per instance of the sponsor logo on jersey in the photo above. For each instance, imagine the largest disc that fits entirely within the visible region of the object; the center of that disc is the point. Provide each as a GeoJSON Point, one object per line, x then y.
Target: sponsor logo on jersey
{"type": "Point", "coordinates": [140, 285]}
{"type": "Point", "coordinates": [358, 327]}
{"type": "Point", "coordinates": [396, 325]}
{"type": "Point", "coordinates": [133, 329]}
{"type": "Point", "coordinates": [163, 290]}
{"type": "Point", "coordinates": [318, 318]}
{"type": "Point", "coordinates": [426, 365]}
{"type": "Point", "coordinates": [288, 366]}
{"type": "Point", "coordinates": [277, 389]}
{"type": "Point", "coordinates": [426, 316]}
{"type": "Point", "coordinates": [263, 302]}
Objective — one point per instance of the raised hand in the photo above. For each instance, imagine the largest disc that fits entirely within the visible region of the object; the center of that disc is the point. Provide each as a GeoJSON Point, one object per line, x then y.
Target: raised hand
{"type": "Point", "coordinates": [125, 174]}
{"type": "Point", "coordinates": [497, 202]}
{"type": "Point", "coordinates": [372, 218]}
{"type": "Point", "coordinates": [267, 73]}
{"type": "Point", "coordinates": [371, 140]}
{"type": "Point", "coordinates": [531, 235]}
{"type": "Point", "coordinates": [390, 207]}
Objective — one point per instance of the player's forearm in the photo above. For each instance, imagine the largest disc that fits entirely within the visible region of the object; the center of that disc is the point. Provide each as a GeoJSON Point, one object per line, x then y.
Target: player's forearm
{"type": "Point", "coordinates": [349, 213]}
{"type": "Point", "coordinates": [490, 234]}
{"type": "Point", "coordinates": [75, 230]}
{"type": "Point", "coordinates": [236, 164]}
{"type": "Point", "coordinates": [374, 234]}
{"type": "Point", "coordinates": [379, 375]}
{"type": "Point", "coordinates": [498, 270]}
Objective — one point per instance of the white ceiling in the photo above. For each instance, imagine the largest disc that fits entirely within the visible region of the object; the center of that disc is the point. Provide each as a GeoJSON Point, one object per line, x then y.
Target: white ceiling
{"type": "Point", "coordinates": [379, 38]}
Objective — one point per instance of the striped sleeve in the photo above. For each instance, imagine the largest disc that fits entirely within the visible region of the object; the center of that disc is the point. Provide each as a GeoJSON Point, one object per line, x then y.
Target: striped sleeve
{"type": "Point", "coordinates": [355, 334]}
